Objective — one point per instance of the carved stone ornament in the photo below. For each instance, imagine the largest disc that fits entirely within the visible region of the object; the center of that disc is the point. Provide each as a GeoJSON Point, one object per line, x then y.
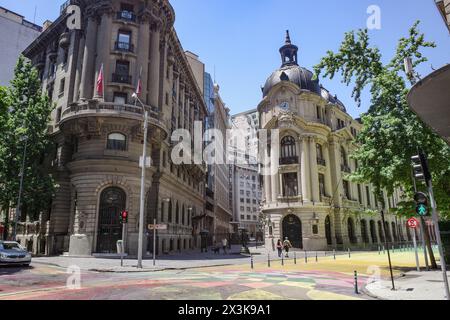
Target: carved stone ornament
{"type": "Point", "coordinates": [286, 120]}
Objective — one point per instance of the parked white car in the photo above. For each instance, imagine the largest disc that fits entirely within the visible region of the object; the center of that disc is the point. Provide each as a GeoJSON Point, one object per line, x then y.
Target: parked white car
{"type": "Point", "coordinates": [12, 253]}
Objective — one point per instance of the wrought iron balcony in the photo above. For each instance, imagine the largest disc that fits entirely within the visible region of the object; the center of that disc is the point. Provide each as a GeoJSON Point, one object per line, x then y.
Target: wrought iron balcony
{"type": "Point", "coordinates": [126, 16]}
{"type": "Point", "coordinates": [121, 78]}
{"type": "Point", "coordinates": [124, 46]}
{"type": "Point", "coordinates": [288, 161]}
{"type": "Point", "coordinates": [321, 162]}
{"type": "Point", "coordinates": [345, 168]}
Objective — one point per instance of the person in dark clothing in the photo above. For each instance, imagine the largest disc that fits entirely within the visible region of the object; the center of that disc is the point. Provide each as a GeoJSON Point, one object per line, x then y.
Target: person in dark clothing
{"type": "Point", "coordinates": [280, 248]}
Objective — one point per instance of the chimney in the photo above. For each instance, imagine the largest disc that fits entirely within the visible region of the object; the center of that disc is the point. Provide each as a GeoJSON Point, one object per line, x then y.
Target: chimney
{"type": "Point", "coordinates": [46, 25]}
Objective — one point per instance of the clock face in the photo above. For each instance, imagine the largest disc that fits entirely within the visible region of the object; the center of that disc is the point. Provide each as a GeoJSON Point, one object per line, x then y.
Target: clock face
{"type": "Point", "coordinates": [284, 106]}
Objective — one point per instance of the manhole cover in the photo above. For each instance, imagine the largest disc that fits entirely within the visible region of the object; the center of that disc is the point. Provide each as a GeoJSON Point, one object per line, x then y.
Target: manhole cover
{"type": "Point", "coordinates": [410, 289]}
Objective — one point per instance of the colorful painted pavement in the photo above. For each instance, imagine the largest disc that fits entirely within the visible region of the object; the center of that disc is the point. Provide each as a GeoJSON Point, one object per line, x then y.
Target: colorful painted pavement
{"type": "Point", "coordinates": [48, 283]}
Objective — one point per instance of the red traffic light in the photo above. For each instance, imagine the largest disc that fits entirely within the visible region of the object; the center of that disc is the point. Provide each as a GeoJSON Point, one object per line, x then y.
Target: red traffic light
{"type": "Point", "coordinates": [124, 216]}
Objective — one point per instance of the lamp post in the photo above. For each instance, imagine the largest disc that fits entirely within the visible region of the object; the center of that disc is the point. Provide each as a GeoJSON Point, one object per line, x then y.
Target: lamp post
{"type": "Point", "coordinates": [143, 172]}
{"type": "Point", "coordinates": [19, 198]}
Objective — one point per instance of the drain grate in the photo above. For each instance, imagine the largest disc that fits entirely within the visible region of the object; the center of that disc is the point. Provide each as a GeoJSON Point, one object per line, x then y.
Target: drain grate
{"type": "Point", "coordinates": [410, 289]}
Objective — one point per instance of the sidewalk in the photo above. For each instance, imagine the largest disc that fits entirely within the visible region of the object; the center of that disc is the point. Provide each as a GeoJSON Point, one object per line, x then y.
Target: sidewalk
{"type": "Point", "coordinates": [175, 261]}
{"type": "Point", "coordinates": [412, 286]}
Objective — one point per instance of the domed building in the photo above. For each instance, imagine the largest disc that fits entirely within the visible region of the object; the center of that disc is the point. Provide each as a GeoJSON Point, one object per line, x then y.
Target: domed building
{"type": "Point", "coordinates": [310, 200]}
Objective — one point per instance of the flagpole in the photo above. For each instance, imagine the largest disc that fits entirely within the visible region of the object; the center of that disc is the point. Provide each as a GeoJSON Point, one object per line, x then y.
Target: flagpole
{"type": "Point", "coordinates": [104, 82]}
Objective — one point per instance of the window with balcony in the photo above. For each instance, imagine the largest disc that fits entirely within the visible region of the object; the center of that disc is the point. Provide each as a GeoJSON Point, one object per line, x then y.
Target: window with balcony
{"type": "Point", "coordinates": [360, 194]}
{"type": "Point", "coordinates": [123, 42]}
{"type": "Point", "coordinates": [288, 151]}
{"type": "Point", "coordinates": [320, 157]}
{"type": "Point", "coordinates": [120, 98]}
{"type": "Point", "coordinates": [126, 13]}
{"type": "Point", "coordinates": [322, 185]}
{"type": "Point", "coordinates": [290, 185]}
{"type": "Point", "coordinates": [346, 185]}
{"type": "Point", "coordinates": [122, 74]}
{"type": "Point", "coordinates": [368, 196]}
{"type": "Point", "coordinates": [344, 161]}
{"type": "Point", "coordinates": [117, 142]}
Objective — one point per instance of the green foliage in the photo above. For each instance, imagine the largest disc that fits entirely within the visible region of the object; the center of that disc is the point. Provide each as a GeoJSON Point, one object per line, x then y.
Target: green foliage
{"type": "Point", "coordinates": [24, 116]}
{"type": "Point", "coordinates": [391, 132]}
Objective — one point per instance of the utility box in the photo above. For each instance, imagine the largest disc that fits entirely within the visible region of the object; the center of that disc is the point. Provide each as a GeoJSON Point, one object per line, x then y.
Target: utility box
{"type": "Point", "coordinates": [120, 249]}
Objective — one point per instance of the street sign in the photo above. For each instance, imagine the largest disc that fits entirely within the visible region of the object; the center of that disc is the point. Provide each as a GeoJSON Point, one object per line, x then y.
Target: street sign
{"type": "Point", "coordinates": [422, 210]}
{"type": "Point", "coordinates": [413, 223]}
{"type": "Point", "coordinates": [157, 227]}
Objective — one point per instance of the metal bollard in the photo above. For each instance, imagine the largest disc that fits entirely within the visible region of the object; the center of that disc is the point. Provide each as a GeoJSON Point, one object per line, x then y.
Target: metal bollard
{"type": "Point", "coordinates": [295, 257]}
{"type": "Point", "coordinates": [317, 257]}
{"type": "Point", "coordinates": [268, 260]}
{"type": "Point", "coordinates": [251, 261]}
{"type": "Point", "coordinates": [306, 256]}
{"type": "Point", "coordinates": [379, 250]}
{"type": "Point", "coordinates": [282, 260]}
{"type": "Point", "coordinates": [356, 283]}
{"type": "Point", "coordinates": [334, 254]}
{"type": "Point", "coordinates": [349, 253]}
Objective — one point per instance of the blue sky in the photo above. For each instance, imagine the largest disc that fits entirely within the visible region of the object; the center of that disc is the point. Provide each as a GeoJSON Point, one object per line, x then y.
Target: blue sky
{"type": "Point", "coordinates": [239, 39]}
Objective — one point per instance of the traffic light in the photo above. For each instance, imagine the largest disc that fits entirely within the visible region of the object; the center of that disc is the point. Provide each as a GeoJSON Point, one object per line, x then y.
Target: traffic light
{"type": "Point", "coordinates": [124, 217]}
{"type": "Point", "coordinates": [420, 167]}
{"type": "Point", "coordinates": [421, 200]}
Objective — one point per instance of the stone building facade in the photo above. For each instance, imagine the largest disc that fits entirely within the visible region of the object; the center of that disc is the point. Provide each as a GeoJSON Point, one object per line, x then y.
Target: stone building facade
{"type": "Point", "coordinates": [98, 139]}
{"type": "Point", "coordinates": [310, 200]}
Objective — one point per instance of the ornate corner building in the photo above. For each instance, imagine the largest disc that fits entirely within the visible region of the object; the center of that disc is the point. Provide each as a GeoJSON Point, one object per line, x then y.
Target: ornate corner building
{"type": "Point", "coordinates": [310, 200]}
{"type": "Point", "coordinates": [99, 140]}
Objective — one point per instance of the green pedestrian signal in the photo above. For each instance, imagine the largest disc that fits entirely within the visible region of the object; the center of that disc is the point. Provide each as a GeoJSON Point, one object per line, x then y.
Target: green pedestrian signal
{"type": "Point", "coordinates": [422, 210]}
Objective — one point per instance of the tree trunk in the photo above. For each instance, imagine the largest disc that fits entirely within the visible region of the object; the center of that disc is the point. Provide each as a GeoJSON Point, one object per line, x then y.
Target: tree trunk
{"type": "Point", "coordinates": [428, 244]}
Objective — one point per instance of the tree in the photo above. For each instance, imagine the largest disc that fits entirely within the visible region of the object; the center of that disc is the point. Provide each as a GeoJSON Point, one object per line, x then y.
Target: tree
{"type": "Point", "coordinates": [391, 132]}
{"type": "Point", "coordinates": [25, 114]}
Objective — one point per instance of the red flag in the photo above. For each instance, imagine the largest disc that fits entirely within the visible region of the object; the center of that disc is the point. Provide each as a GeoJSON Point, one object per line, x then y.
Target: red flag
{"type": "Point", "coordinates": [139, 84]}
{"type": "Point", "coordinates": [139, 87]}
{"type": "Point", "coordinates": [99, 88]}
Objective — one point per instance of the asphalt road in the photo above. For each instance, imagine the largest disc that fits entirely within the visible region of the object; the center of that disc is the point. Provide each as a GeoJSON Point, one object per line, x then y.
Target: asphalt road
{"type": "Point", "coordinates": [45, 282]}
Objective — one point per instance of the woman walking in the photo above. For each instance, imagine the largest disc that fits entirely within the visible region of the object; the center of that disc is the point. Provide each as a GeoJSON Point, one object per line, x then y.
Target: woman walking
{"type": "Point", "coordinates": [280, 248]}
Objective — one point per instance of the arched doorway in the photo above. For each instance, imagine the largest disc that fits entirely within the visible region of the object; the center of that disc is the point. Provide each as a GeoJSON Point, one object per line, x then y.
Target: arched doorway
{"type": "Point", "coordinates": [112, 203]}
{"type": "Point", "coordinates": [364, 234]}
{"type": "Point", "coordinates": [351, 231]}
{"type": "Point", "coordinates": [292, 229]}
{"type": "Point", "coordinates": [373, 232]}
{"type": "Point", "coordinates": [328, 230]}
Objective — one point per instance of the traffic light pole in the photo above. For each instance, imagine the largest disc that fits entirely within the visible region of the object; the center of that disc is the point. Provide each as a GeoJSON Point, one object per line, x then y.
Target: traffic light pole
{"type": "Point", "coordinates": [438, 238]}
{"type": "Point", "coordinates": [388, 250]}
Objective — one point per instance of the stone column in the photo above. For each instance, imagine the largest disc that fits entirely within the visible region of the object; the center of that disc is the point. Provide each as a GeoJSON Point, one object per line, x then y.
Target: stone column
{"type": "Point", "coordinates": [81, 48]}
{"type": "Point", "coordinates": [142, 49]}
{"type": "Point", "coordinates": [305, 170]}
{"type": "Point", "coordinates": [87, 75]}
{"type": "Point", "coordinates": [328, 186]}
{"type": "Point", "coordinates": [267, 189]}
{"type": "Point", "coordinates": [155, 36]}
{"type": "Point", "coordinates": [275, 187]}
{"type": "Point", "coordinates": [314, 171]}
{"type": "Point", "coordinates": [104, 50]}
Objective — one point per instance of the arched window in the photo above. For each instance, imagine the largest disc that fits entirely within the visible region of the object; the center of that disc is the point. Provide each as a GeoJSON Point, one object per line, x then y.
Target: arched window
{"type": "Point", "coordinates": [288, 150]}
{"type": "Point", "coordinates": [183, 216]}
{"type": "Point", "coordinates": [116, 141]}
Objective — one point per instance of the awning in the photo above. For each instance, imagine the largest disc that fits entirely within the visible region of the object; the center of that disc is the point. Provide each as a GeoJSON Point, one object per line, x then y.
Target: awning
{"type": "Point", "coordinates": [430, 100]}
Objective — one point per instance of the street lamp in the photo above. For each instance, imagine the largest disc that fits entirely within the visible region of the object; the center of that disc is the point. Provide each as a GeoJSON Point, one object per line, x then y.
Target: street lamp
{"type": "Point", "coordinates": [142, 200]}
{"type": "Point", "coordinates": [19, 198]}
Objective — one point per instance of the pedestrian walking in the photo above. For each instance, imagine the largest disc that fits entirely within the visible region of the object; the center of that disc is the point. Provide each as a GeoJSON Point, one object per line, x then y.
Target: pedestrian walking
{"type": "Point", "coordinates": [280, 248]}
{"type": "Point", "coordinates": [224, 245]}
{"type": "Point", "coordinates": [287, 245]}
